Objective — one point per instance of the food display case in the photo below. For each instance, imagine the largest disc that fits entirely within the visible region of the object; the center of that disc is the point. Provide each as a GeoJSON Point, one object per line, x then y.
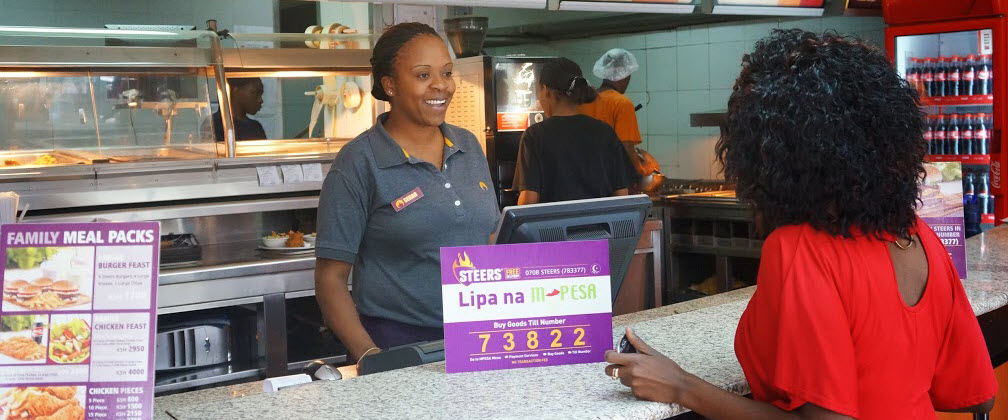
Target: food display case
{"type": "Point", "coordinates": [118, 125]}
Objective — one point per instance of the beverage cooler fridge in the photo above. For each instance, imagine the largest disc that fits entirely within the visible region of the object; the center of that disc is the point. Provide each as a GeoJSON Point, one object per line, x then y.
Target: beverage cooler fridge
{"type": "Point", "coordinates": [958, 68]}
{"type": "Point", "coordinates": [495, 98]}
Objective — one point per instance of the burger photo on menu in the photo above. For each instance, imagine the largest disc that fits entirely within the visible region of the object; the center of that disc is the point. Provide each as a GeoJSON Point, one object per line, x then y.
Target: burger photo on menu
{"type": "Point", "coordinates": [941, 191]}
{"type": "Point", "coordinates": [23, 339]}
{"type": "Point", "coordinates": [43, 403]}
{"type": "Point", "coordinates": [48, 279]}
{"type": "Point", "coordinates": [70, 338]}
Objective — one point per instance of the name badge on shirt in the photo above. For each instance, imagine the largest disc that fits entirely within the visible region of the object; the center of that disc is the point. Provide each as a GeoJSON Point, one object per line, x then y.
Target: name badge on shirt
{"type": "Point", "coordinates": [410, 198]}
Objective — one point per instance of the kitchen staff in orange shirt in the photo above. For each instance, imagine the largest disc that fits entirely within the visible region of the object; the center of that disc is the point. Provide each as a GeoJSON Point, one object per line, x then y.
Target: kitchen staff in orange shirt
{"type": "Point", "coordinates": [613, 107]}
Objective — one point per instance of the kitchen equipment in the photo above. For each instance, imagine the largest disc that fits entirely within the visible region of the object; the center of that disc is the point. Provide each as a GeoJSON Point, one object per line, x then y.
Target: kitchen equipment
{"type": "Point", "coordinates": [495, 99]}
{"type": "Point", "coordinates": [402, 356]}
{"type": "Point", "coordinates": [192, 344]}
{"type": "Point", "coordinates": [466, 34]}
{"type": "Point", "coordinates": [180, 248]}
{"type": "Point", "coordinates": [650, 182]}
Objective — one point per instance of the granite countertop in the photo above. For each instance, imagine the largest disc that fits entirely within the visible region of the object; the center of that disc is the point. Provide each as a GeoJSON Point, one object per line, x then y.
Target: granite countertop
{"type": "Point", "coordinates": [698, 334]}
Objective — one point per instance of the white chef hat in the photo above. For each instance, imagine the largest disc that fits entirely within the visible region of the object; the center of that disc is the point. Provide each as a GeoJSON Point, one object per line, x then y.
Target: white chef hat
{"type": "Point", "coordinates": [615, 64]}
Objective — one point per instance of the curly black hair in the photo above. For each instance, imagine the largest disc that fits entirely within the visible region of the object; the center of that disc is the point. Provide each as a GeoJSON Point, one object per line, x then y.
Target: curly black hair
{"type": "Point", "coordinates": [821, 130]}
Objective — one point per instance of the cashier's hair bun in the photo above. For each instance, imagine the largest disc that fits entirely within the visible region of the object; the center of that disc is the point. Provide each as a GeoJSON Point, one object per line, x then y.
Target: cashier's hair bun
{"type": "Point", "coordinates": [822, 130]}
{"type": "Point", "coordinates": [387, 48]}
{"type": "Point", "coordinates": [565, 77]}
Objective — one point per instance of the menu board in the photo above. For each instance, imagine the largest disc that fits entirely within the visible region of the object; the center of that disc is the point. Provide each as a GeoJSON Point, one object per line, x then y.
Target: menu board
{"type": "Point", "coordinates": [941, 207]}
{"type": "Point", "coordinates": [526, 305]}
{"type": "Point", "coordinates": [77, 321]}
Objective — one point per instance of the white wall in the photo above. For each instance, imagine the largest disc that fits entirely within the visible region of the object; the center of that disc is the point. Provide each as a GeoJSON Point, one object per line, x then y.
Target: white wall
{"type": "Point", "coordinates": [688, 70]}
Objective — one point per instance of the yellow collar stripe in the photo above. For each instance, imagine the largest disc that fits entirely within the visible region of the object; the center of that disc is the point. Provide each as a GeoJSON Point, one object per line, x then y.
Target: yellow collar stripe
{"type": "Point", "coordinates": [446, 142]}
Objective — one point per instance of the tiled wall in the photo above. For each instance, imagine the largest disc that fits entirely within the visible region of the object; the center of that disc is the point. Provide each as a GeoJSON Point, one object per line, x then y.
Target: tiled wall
{"type": "Point", "coordinates": [688, 70]}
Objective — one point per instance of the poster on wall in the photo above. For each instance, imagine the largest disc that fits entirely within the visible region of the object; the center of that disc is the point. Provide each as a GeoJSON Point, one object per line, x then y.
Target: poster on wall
{"type": "Point", "coordinates": [516, 97]}
{"type": "Point", "coordinates": [77, 321]}
{"type": "Point", "coordinates": [526, 305]}
{"type": "Point", "coordinates": [941, 207]}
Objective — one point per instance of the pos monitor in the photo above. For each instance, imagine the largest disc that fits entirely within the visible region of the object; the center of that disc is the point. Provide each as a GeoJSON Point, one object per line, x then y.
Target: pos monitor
{"type": "Point", "coordinates": [618, 219]}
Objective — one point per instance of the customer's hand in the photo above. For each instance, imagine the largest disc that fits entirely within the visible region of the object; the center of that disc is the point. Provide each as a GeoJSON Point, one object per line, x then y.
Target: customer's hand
{"type": "Point", "coordinates": [649, 374]}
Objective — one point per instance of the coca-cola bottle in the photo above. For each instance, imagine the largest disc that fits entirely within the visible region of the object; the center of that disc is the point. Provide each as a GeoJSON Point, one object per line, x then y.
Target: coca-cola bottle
{"type": "Point", "coordinates": [927, 76]}
{"type": "Point", "coordinates": [980, 135]}
{"type": "Point", "coordinates": [940, 77]}
{"type": "Point", "coordinates": [966, 134]}
{"type": "Point", "coordinates": [968, 77]}
{"type": "Point", "coordinates": [952, 135]}
{"type": "Point", "coordinates": [38, 329]}
{"type": "Point", "coordinates": [939, 134]}
{"type": "Point", "coordinates": [929, 136]}
{"type": "Point", "coordinates": [913, 74]}
{"type": "Point", "coordinates": [953, 71]}
{"type": "Point", "coordinates": [982, 189]}
{"type": "Point", "coordinates": [983, 77]}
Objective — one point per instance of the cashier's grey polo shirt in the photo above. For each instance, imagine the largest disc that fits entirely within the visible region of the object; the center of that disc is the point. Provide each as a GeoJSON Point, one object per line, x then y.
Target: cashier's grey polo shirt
{"type": "Point", "coordinates": [389, 214]}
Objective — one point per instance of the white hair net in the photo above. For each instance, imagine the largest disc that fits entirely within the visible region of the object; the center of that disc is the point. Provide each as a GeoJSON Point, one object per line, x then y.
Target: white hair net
{"type": "Point", "coordinates": [616, 64]}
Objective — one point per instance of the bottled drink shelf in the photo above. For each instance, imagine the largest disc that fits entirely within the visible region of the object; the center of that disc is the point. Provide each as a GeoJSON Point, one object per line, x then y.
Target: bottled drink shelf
{"type": "Point", "coordinates": [965, 159]}
{"type": "Point", "coordinates": [957, 100]}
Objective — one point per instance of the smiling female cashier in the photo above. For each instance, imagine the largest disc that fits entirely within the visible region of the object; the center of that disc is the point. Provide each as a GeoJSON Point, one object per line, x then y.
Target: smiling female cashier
{"type": "Point", "coordinates": [396, 194]}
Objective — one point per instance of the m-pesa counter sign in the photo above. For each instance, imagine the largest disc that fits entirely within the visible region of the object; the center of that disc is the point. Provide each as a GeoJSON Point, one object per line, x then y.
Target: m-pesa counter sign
{"type": "Point", "coordinates": [526, 305]}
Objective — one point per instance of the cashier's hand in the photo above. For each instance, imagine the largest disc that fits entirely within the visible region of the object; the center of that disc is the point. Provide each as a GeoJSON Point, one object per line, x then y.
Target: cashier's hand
{"type": "Point", "coordinates": [649, 374]}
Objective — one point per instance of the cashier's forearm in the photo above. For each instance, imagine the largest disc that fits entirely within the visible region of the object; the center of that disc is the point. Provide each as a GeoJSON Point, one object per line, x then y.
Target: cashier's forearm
{"type": "Point", "coordinates": [338, 308]}
{"type": "Point", "coordinates": [715, 403]}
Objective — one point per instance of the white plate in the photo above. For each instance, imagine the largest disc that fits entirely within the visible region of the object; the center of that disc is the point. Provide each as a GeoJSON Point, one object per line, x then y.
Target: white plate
{"type": "Point", "coordinates": [306, 247]}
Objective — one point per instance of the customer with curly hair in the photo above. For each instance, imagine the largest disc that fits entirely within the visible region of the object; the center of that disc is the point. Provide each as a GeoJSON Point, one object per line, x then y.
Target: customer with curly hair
{"type": "Point", "coordinates": [858, 311]}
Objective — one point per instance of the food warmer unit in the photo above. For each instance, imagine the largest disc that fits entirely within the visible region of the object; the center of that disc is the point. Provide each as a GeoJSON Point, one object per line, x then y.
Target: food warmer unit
{"type": "Point", "coordinates": [115, 125]}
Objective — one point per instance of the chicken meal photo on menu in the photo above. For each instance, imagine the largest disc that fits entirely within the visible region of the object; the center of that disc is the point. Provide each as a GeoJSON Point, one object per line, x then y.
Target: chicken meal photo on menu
{"type": "Point", "coordinates": [42, 403]}
{"type": "Point", "coordinates": [23, 338]}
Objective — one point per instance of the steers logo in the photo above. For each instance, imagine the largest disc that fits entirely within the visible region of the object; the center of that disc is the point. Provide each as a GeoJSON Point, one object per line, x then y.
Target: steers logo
{"type": "Point", "coordinates": [466, 272]}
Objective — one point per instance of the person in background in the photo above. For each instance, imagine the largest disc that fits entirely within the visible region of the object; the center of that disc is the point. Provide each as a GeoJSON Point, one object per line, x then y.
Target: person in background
{"type": "Point", "coordinates": [394, 196]}
{"type": "Point", "coordinates": [858, 311]}
{"type": "Point", "coordinates": [246, 99]}
{"type": "Point", "coordinates": [569, 155]}
{"type": "Point", "coordinates": [613, 107]}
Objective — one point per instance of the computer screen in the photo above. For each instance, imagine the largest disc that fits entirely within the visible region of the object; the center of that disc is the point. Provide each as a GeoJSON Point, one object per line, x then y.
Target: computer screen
{"type": "Point", "coordinates": [618, 219]}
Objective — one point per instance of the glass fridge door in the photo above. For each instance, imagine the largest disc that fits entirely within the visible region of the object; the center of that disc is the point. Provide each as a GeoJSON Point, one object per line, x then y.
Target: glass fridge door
{"type": "Point", "coordinates": [953, 72]}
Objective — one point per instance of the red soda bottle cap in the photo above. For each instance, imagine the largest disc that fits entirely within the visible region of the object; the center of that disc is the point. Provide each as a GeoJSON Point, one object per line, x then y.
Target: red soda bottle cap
{"type": "Point", "coordinates": [972, 57]}
{"type": "Point", "coordinates": [981, 115]}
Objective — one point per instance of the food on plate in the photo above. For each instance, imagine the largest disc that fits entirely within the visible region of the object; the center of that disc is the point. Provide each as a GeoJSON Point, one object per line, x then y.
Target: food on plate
{"type": "Point", "coordinates": [44, 282]}
{"type": "Point", "coordinates": [44, 160]}
{"type": "Point", "coordinates": [10, 290]}
{"type": "Point", "coordinates": [70, 342]}
{"type": "Point", "coordinates": [167, 244]}
{"type": "Point", "coordinates": [22, 348]}
{"type": "Point", "coordinates": [295, 239]}
{"type": "Point", "coordinates": [67, 291]}
{"type": "Point", "coordinates": [41, 403]}
{"type": "Point", "coordinates": [11, 162]}
{"type": "Point", "coordinates": [274, 235]}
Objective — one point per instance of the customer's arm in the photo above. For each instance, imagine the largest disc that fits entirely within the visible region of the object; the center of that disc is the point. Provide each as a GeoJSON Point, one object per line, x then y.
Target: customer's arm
{"type": "Point", "coordinates": [528, 197]}
{"type": "Point", "coordinates": [652, 376]}
{"type": "Point", "coordinates": [338, 309]}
